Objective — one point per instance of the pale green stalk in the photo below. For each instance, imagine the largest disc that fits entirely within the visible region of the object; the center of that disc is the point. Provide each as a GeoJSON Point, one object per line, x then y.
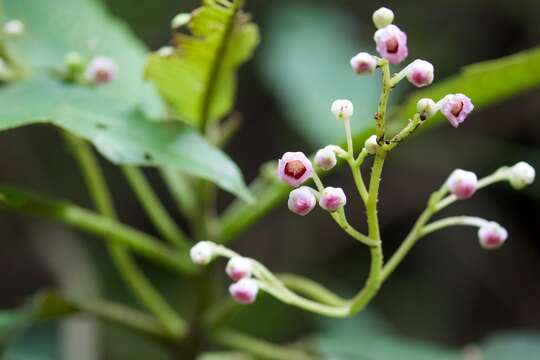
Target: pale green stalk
{"type": "Point", "coordinates": [153, 207]}
{"type": "Point", "coordinates": [135, 279]}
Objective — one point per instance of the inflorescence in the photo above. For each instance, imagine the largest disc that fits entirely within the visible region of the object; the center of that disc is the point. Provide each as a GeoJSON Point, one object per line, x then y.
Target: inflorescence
{"type": "Point", "coordinates": [296, 169]}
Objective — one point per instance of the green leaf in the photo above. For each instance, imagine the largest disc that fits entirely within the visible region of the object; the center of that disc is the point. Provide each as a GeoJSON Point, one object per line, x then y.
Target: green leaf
{"type": "Point", "coordinates": [199, 80]}
{"type": "Point", "coordinates": [305, 62]}
{"type": "Point", "coordinates": [56, 27]}
{"type": "Point", "coordinates": [122, 135]}
{"type": "Point", "coordinates": [487, 83]}
{"type": "Point", "coordinates": [368, 337]}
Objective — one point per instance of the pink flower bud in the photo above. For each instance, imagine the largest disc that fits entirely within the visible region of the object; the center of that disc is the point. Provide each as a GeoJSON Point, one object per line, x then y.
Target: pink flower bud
{"type": "Point", "coordinates": [325, 158]}
{"type": "Point", "coordinates": [332, 199]}
{"type": "Point", "coordinates": [521, 175]}
{"type": "Point", "coordinates": [342, 109]}
{"type": "Point", "coordinates": [101, 70]}
{"type": "Point", "coordinates": [392, 44]}
{"type": "Point", "coordinates": [244, 291]}
{"type": "Point", "coordinates": [492, 235]}
{"type": "Point", "coordinates": [239, 268]}
{"type": "Point", "coordinates": [363, 63]}
{"type": "Point", "coordinates": [202, 252]}
{"type": "Point", "coordinates": [462, 183]}
{"type": "Point", "coordinates": [420, 73]}
{"type": "Point", "coordinates": [456, 108]}
{"type": "Point", "coordinates": [294, 168]}
{"type": "Point", "coordinates": [383, 17]}
{"type": "Point", "coordinates": [302, 200]}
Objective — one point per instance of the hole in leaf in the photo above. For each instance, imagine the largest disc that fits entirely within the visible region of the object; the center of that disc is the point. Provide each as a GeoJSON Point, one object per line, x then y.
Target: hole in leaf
{"type": "Point", "coordinates": [148, 156]}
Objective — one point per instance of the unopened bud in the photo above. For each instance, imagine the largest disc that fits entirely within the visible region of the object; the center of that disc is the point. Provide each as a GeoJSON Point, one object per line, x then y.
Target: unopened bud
{"type": "Point", "coordinates": [325, 158]}
{"type": "Point", "coordinates": [521, 175]}
{"type": "Point", "coordinates": [492, 235]}
{"type": "Point", "coordinates": [244, 291]}
{"type": "Point", "coordinates": [101, 70]}
{"type": "Point", "coordinates": [14, 27]}
{"type": "Point", "coordinates": [332, 199]}
{"type": "Point", "coordinates": [426, 108]}
{"type": "Point", "coordinates": [342, 109]}
{"type": "Point", "coordinates": [239, 268]}
{"type": "Point", "coordinates": [203, 252]}
{"type": "Point", "coordinates": [180, 20]}
{"type": "Point", "coordinates": [371, 144]}
{"type": "Point", "coordinates": [420, 73]}
{"type": "Point", "coordinates": [302, 200]}
{"type": "Point", "coordinates": [363, 63]}
{"type": "Point", "coordinates": [383, 17]}
{"type": "Point", "coordinates": [462, 183]}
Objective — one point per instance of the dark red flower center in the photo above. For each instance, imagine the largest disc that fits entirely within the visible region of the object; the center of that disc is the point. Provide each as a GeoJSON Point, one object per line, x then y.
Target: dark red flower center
{"type": "Point", "coordinates": [103, 75]}
{"type": "Point", "coordinates": [295, 169]}
{"type": "Point", "coordinates": [456, 108]}
{"type": "Point", "coordinates": [392, 45]}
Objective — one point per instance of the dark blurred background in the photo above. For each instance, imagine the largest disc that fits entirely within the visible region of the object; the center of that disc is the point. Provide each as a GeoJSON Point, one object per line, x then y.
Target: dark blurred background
{"type": "Point", "coordinates": [448, 290]}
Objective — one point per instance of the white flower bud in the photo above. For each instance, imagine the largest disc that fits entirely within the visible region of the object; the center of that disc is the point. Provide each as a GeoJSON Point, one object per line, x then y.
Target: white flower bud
{"type": "Point", "coordinates": [521, 175]}
{"type": "Point", "coordinates": [371, 144]}
{"type": "Point", "coordinates": [342, 109]}
{"type": "Point", "coordinates": [14, 27]}
{"type": "Point", "coordinates": [165, 51]}
{"type": "Point", "coordinates": [244, 291]}
{"type": "Point", "coordinates": [325, 158]}
{"type": "Point", "coordinates": [383, 17]}
{"type": "Point", "coordinates": [203, 252]}
{"type": "Point", "coordinates": [239, 268]}
{"type": "Point", "coordinates": [492, 235]}
{"type": "Point", "coordinates": [462, 183]}
{"type": "Point", "coordinates": [363, 63]}
{"type": "Point", "coordinates": [180, 20]}
{"type": "Point", "coordinates": [426, 108]}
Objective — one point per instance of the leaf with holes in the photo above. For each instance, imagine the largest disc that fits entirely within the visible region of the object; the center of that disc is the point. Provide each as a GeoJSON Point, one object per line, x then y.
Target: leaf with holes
{"type": "Point", "coordinates": [121, 134]}
{"type": "Point", "coordinates": [198, 80]}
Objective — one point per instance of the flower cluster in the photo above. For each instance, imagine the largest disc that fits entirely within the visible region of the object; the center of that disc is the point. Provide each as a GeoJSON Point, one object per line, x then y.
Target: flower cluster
{"type": "Point", "coordinates": [240, 269]}
{"type": "Point", "coordinates": [297, 170]}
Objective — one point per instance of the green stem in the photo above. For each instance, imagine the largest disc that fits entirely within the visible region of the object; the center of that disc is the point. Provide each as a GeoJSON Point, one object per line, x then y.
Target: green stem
{"type": "Point", "coordinates": [260, 348]}
{"type": "Point", "coordinates": [452, 221]}
{"type": "Point", "coordinates": [348, 135]}
{"type": "Point", "coordinates": [26, 202]}
{"type": "Point", "coordinates": [341, 220]}
{"type": "Point", "coordinates": [153, 207]}
{"type": "Point", "coordinates": [311, 289]}
{"type": "Point", "coordinates": [383, 100]}
{"type": "Point", "coordinates": [181, 191]}
{"type": "Point", "coordinates": [357, 175]}
{"type": "Point", "coordinates": [135, 279]}
{"type": "Point", "coordinates": [103, 309]}
{"type": "Point", "coordinates": [414, 234]}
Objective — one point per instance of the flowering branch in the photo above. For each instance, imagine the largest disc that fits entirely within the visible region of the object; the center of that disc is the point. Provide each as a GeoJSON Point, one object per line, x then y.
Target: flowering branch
{"type": "Point", "coordinates": [294, 168]}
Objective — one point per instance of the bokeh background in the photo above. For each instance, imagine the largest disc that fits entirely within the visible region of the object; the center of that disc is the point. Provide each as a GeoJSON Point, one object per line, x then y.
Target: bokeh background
{"type": "Point", "coordinates": [448, 291]}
